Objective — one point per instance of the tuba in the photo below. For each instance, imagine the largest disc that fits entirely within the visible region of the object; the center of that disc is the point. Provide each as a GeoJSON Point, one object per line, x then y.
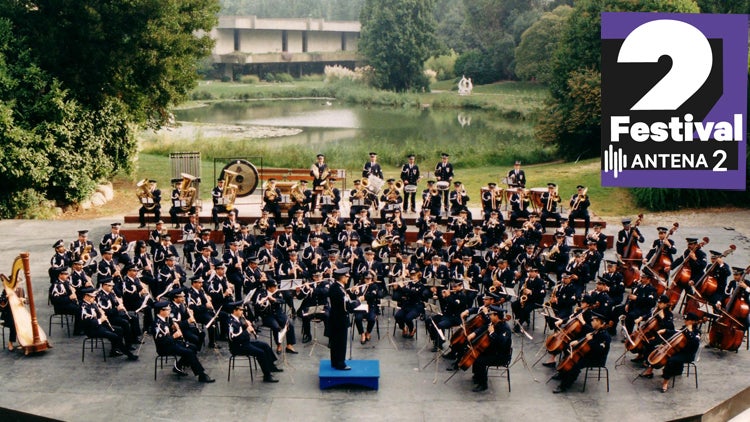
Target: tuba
{"type": "Point", "coordinates": [229, 194]}
{"type": "Point", "coordinates": [144, 194]}
{"type": "Point", "coordinates": [187, 192]}
{"type": "Point", "coordinates": [297, 193]}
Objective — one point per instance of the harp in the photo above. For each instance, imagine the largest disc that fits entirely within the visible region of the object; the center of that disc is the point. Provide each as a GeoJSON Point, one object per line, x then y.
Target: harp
{"type": "Point", "coordinates": [30, 336]}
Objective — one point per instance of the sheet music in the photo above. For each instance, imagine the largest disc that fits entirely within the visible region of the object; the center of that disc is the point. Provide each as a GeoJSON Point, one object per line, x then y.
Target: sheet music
{"type": "Point", "coordinates": [364, 307]}
{"type": "Point", "coordinates": [282, 334]}
{"type": "Point", "coordinates": [314, 310]}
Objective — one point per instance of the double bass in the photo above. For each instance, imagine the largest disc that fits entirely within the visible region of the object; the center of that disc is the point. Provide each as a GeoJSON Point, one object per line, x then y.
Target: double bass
{"type": "Point", "coordinates": [630, 262]}
{"type": "Point", "coordinates": [705, 287]}
{"type": "Point", "coordinates": [683, 273]}
{"type": "Point", "coordinates": [728, 332]}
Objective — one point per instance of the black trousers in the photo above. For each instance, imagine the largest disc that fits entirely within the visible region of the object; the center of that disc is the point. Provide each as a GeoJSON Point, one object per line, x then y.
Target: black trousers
{"type": "Point", "coordinates": [370, 315]}
{"type": "Point", "coordinates": [482, 362]}
{"type": "Point", "coordinates": [259, 350]}
{"type": "Point", "coordinates": [406, 316]}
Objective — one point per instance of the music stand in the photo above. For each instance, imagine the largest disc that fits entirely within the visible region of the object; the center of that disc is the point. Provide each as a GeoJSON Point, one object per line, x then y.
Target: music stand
{"type": "Point", "coordinates": [438, 355]}
{"type": "Point", "coordinates": [282, 339]}
{"type": "Point", "coordinates": [621, 360]}
{"type": "Point", "coordinates": [521, 357]}
{"type": "Point", "coordinates": [319, 309]}
{"type": "Point", "coordinates": [389, 303]}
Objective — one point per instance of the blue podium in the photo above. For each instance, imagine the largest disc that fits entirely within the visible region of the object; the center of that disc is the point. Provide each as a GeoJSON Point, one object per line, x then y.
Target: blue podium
{"type": "Point", "coordinates": [365, 373]}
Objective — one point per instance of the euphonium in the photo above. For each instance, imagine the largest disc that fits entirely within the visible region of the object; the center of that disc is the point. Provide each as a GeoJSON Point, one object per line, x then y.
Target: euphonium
{"type": "Point", "coordinates": [270, 192]}
{"type": "Point", "coordinates": [297, 194]}
{"type": "Point", "coordinates": [187, 192]}
{"type": "Point", "coordinates": [144, 192]}
{"type": "Point", "coordinates": [230, 190]}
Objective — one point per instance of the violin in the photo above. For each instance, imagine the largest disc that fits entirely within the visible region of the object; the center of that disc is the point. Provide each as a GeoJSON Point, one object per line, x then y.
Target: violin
{"type": "Point", "coordinates": [728, 332]}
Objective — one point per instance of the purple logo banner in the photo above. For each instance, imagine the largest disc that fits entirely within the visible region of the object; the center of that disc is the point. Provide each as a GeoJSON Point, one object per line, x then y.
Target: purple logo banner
{"type": "Point", "coordinates": [674, 100]}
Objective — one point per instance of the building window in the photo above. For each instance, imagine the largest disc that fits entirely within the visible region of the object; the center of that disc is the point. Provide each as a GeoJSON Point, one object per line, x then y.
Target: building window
{"type": "Point", "coordinates": [304, 41]}
{"type": "Point", "coordinates": [284, 41]}
{"type": "Point", "coordinates": [236, 40]}
{"type": "Point", "coordinates": [343, 41]}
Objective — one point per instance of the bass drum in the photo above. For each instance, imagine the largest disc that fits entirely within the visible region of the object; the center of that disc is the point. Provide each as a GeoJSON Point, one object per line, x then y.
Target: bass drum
{"type": "Point", "coordinates": [410, 188]}
{"type": "Point", "coordinates": [246, 178]}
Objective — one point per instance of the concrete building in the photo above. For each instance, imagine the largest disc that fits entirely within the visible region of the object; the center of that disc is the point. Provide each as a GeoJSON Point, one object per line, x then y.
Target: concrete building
{"type": "Point", "coordinates": [252, 45]}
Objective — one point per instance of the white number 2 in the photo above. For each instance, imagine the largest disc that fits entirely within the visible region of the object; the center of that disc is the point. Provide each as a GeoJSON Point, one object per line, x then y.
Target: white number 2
{"type": "Point", "coordinates": [691, 56]}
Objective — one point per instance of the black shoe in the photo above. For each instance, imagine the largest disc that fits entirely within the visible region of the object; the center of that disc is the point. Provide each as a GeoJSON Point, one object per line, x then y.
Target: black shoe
{"type": "Point", "coordinates": [343, 368]}
{"type": "Point", "coordinates": [516, 328]}
{"type": "Point", "coordinates": [479, 388]}
{"type": "Point", "coordinates": [115, 353]}
{"type": "Point", "coordinates": [275, 369]}
{"type": "Point", "coordinates": [269, 379]}
{"type": "Point", "coordinates": [648, 376]}
{"type": "Point", "coordinates": [637, 359]}
{"type": "Point", "coordinates": [306, 338]}
{"type": "Point", "coordinates": [179, 371]}
{"type": "Point", "coordinates": [141, 226]}
{"type": "Point", "coordinates": [132, 357]}
{"type": "Point", "coordinates": [559, 390]}
{"type": "Point", "coordinates": [291, 351]}
{"type": "Point", "coordinates": [205, 378]}
{"type": "Point", "coordinates": [549, 364]}
{"type": "Point", "coordinates": [556, 377]}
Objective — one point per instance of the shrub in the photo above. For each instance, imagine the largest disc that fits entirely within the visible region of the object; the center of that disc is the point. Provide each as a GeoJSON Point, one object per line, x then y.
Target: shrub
{"type": "Point", "coordinates": [249, 79]}
{"type": "Point", "coordinates": [443, 65]}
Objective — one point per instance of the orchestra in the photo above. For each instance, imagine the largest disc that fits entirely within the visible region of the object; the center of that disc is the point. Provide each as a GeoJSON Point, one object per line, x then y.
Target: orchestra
{"type": "Point", "coordinates": [447, 270]}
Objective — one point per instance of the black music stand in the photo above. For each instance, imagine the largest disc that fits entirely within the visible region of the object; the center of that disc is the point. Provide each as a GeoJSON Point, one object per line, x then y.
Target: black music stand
{"type": "Point", "coordinates": [521, 357]}
{"type": "Point", "coordinates": [389, 303]}
{"type": "Point", "coordinates": [438, 356]}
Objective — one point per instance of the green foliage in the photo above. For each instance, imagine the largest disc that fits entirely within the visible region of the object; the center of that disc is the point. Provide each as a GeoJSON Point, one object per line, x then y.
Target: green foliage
{"type": "Point", "coordinates": [575, 63]}
{"type": "Point", "coordinates": [328, 9]}
{"type": "Point", "coordinates": [142, 52]}
{"type": "Point", "coordinates": [724, 6]}
{"type": "Point", "coordinates": [674, 199]}
{"type": "Point", "coordinates": [477, 66]}
{"type": "Point", "coordinates": [397, 36]}
{"type": "Point", "coordinates": [539, 43]}
{"type": "Point", "coordinates": [444, 65]}
{"type": "Point", "coordinates": [278, 77]}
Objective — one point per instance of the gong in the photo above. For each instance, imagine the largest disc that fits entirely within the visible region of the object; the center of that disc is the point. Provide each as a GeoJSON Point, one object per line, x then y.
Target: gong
{"type": "Point", "coordinates": [246, 178]}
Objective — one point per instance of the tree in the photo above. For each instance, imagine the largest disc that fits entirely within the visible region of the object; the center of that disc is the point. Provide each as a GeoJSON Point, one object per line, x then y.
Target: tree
{"type": "Point", "coordinates": [397, 36]}
{"type": "Point", "coordinates": [143, 52]}
{"type": "Point", "coordinates": [575, 62]}
{"type": "Point", "coordinates": [539, 43]}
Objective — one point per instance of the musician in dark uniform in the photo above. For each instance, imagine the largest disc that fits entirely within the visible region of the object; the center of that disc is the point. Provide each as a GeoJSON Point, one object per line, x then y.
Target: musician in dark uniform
{"type": "Point", "coordinates": [190, 233]}
{"type": "Point", "coordinates": [623, 236]}
{"type": "Point", "coordinates": [564, 296]}
{"type": "Point", "coordinates": [459, 199]}
{"type": "Point", "coordinates": [169, 340]}
{"type": "Point", "coordinates": [240, 343]}
{"type": "Point", "coordinates": [370, 292]}
{"type": "Point", "coordinates": [339, 320]}
{"type": "Point", "coordinates": [444, 173]}
{"type": "Point", "coordinates": [217, 195]}
{"type": "Point", "coordinates": [233, 261]}
{"type": "Point", "coordinates": [117, 243]}
{"type": "Point", "coordinates": [410, 177]}
{"type": "Point", "coordinates": [532, 292]}
{"type": "Point", "coordinates": [116, 313]}
{"type": "Point", "coordinates": [361, 194]}
{"type": "Point", "coordinates": [550, 199]}
{"type": "Point", "coordinates": [62, 298]}
{"type": "Point", "coordinates": [230, 227]}
{"type": "Point", "coordinates": [273, 316]}
{"type": "Point", "coordinates": [155, 206]}
{"type": "Point", "coordinates": [579, 207]}
{"type": "Point", "coordinates": [491, 200]}
{"type": "Point", "coordinates": [372, 167]}
{"type": "Point", "coordinates": [95, 325]}
{"type": "Point", "coordinates": [178, 313]}
{"type": "Point", "coordinates": [6, 314]}
{"type": "Point", "coordinates": [676, 363]}
{"type": "Point", "coordinates": [519, 206]}
{"type": "Point", "coordinates": [312, 296]}
{"type": "Point", "coordinates": [695, 257]}
{"type": "Point", "coordinates": [640, 301]}
{"type": "Point", "coordinates": [452, 302]}
{"type": "Point", "coordinates": [61, 259]}
{"type": "Point", "coordinates": [410, 298]}
{"type": "Point", "coordinates": [320, 173]}
{"type": "Point", "coordinates": [199, 304]}
{"type": "Point", "coordinates": [334, 193]}
{"type": "Point", "coordinates": [430, 201]}
{"type": "Point", "coordinates": [738, 282]}
{"type": "Point", "coordinates": [665, 325]}
{"type": "Point", "coordinates": [517, 177]}
{"type": "Point", "coordinates": [615, 283]}
{"type": "Point", "coordinates": [133, 294]}
{"type": "Point", "coordinates": [205, 240]}
{"type": "Point", "coordinates": [721, 272]}
{"type": "Point", "coordinates": [78, 248]}
{"type": "Point", "coordinates": [391, 199]}
{"type": "Point", "coordinates": [599, 342]}
{"type": "Point", "coordinates": [499, 350]}
{"type": "Point", "coordinates": [661, 243]}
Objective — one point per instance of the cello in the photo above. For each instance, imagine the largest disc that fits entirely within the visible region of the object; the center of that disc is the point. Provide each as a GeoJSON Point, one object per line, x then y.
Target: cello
{"type": "Point", "coordinates": [476, 346]}
{"type": "Point", "coordinates": [557, 341]}
{"type": "Point", "coordinates": [728, 332]}
{"type": "Point", "coordinates": [658, 358]}
{"type": "Point", "coordinates": [578, 352]}
{"type": "Point", "coordinates": [683, 273]}
{"type": "Point", "coordinates": [705, 287]}
{"type": "Point", "coordinates": [642, 334]}
{"type": "Point", "coordinates": [630, 262]}
{"type": "Point", "coordinates": [459, 338]}
{"type": "Point", "coordinates": [661, 260]}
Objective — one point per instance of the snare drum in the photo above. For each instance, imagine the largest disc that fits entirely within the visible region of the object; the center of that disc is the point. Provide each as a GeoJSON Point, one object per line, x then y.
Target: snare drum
{"type": "Point", "coordinates": [443, 185]}
{"type": "Point", "coordinates": [410, 188]}
{"type": "Point", "coordinates": [536, 197]}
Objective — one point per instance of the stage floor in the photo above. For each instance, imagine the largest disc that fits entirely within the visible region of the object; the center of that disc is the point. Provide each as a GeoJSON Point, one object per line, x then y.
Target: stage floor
{"type": "Point", "coordinates": [57, 385]}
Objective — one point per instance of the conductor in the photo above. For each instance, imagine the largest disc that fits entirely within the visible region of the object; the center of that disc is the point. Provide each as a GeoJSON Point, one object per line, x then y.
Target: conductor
{"type": "Point", "coordinates": [338, 321]}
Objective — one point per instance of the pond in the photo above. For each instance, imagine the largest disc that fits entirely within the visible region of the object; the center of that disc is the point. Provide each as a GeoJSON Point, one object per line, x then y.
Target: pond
{"type": "Point", "coordinates": [346, 133]}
